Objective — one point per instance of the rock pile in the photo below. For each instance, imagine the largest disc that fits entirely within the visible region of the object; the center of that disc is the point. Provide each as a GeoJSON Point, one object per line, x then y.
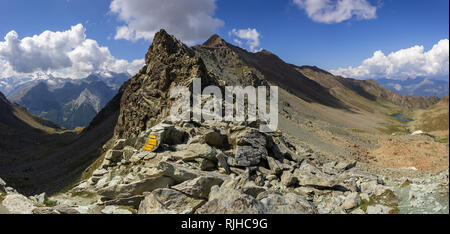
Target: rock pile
{"type": "Point", "coordinates": [258, 173]}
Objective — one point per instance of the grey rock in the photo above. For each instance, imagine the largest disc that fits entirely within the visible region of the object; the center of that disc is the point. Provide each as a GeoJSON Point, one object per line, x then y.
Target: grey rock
{"type": "Point", "coordinates": [114, 156]}
{"type": "Point", "coordinates": [199, 187]}
{"type": "Point", "coordinates": [137, 188]}
{"type": "Point", "coordinates": [288, 204]}
{"type": "Point", "coordinates": [189, 153]}
{"type": "Point", "coordinates": [169, 201]}
{"type": "Point", "coordinates": [64, 209]}
{"type": "Point", "coordinates": [222, 159]}
{"type": "Point", "coordinates": [99, 172]}
{"type": "Point", "coordinates": [119, 144]}
{"type": "Point", "coordinates": [18, 204]}
{"type": "Point", "coordinates": [252, 189]}
{"type": "Point", "coordinates": [41, 198]}
{"type": "Point", "coordinates": [133, 201]}
{"type": "Point", "coordinates": [343, 166]}
{"type": "Point", "coordinates": [215, 138]}
{"type": "Point", "coordinates": [177, 172]}
{"type": "Point", "coordinates": [115, 210]}
{"type": "Point", "coordinates": [231, 202]}
{"type": "Point", "coordinates": [358, 211]}
{"type": "Point", "coordinates": [180, 173]}
{"type": "Point", "coordinates": [378, 209]}
{"type": "Point", "coordinates": [351, 201]}
{"type": "Point", "coordinates": [206, 164]}
{"type": "Point", "coordinates": [275, 166]}
{"type": "Point", "coordinates": [288, 179]}
{"type": "Point", "coordinates": [251, 148]}
{"type": "Point", "coordinates": [44, 211]}
{"type": "Point", "coordinates": [248, 156]}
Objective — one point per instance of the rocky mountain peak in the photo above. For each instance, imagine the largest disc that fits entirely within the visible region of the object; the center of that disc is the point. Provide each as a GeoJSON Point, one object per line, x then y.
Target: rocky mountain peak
{"type": "Point", "coordinates": [215, 41]}
{"type": "Point", "coordinates": [145, 99]}
{"type": "Point", "coordinates": [164, 46]}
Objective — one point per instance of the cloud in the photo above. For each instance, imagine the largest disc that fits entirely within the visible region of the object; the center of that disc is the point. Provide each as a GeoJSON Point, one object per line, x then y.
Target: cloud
{"type": "Point", "coordinates": [190, 21]}
{"type": "Point", "coordinates": [410, 62]}
{"type": "Point", "coordinates": [68, 54]}
{"type": "Point", "coordinates": [336, 11]}
{"type": "Point", "coordinates": [5, 69]}
{"type": "Point", "coordinates": [251, 36]}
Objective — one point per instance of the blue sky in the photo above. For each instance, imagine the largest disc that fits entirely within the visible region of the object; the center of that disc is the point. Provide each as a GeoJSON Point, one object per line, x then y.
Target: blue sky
{"type": "Point", "coordinates": [293, 29]}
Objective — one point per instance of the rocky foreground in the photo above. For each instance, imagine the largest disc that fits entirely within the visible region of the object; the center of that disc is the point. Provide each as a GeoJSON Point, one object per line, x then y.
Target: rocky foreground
{"type": "Point", "coordinates": [228, 168]}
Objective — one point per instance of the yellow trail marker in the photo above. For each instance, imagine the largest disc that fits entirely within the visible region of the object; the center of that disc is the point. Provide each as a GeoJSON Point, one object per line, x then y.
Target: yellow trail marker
{"type": "Point", "coordinates": [152, 144]}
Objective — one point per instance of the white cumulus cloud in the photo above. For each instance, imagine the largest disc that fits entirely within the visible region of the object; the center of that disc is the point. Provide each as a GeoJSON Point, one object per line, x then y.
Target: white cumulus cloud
{"type": "Point", "coordinates": [336, 11]}
{"type": "Point", "coordinates": [251, 37]}
{"type": "Point", "coordinates": [190, 21]}
{"type": "Point", "coordinates": [410, 62]}
{"type": "Point", "coordinates": [69, 54]}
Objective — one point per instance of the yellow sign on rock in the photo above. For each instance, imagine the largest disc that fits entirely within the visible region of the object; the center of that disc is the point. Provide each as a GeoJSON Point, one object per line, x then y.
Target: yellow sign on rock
{"type": "Point", "coordinates": [152, 144]}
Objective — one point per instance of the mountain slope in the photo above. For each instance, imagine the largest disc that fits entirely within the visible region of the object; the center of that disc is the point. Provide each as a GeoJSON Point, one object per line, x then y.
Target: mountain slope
{"type": "Point", "coordinates": [368, 89]}
{"type": "Point", "coordinates": [24, 137]}
{"type": "Point", "coordinates": [433, 119]}
{"type": "Point", "coordinates": [36, 157]}
{"type": "Point", "coordinates": [239, 67]}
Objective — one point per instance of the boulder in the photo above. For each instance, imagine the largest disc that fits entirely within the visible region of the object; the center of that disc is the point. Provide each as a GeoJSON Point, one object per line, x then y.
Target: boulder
{"type": "Point", "coordinates": [206, 164]}
{"type": "Point", "coordinates": [275, 166]}
{"type": "Point", "coordinates": [231, 202]}
{"type": "Point", "coordinates": [288, 179]}
{"type": "Point", "coordinates": [351, 201]}
{"type": "Point", "coordinates": [44, 211]}
{"type": "Point", "coordinates": [115, 210]}
{"type": "Point", "coordinates": [373, 188]}
{"type": "Point", "coordinates": [177, 172]}
{"type": "Point", "coordinates": [99, 172]}
{"type": "Point", "coordinates": [379, 209]}
{"type": "Point", "coordinates": [310, 176]}
{"type": "Point", "coordinates": [41, 198]}
{"type": "Point", "coordinates": [165, 132]}
{"type": "Point", "coordinates": [288, 204]}
{"type": "Point", "coordinates": [64, 209]}
{"type": "Point", "coordinates": [169, 201]}
{"type": "Point", "coordinates": [137, 188]}
{"type": "Point", "coordinates": [223, 162]}
{"type": "Point", "coordinates": [133, 201]}
{"type": "Point", "coordinates": [180, 173]}
{"type": "Point", "coordinates": [247, 156]}
{"type": "Point", "coordinates": [250, 148]}
{"type": "Point", "coordinates": [215, 138]}
{"type": "Point", "coordinates": [119, 144]}
{"type": "Point", "coordinates": [343, 166]}
{"type": "Point", "coordinates": [114, 156]}
{"type": "Point", "coordinates": [199, 187]}
{"type": "Point", "coordinates": [189, 153]}
{"type": "Point", "coordinates": [252, 189]}
{"type": "Point", "coordinates": [18, 204]}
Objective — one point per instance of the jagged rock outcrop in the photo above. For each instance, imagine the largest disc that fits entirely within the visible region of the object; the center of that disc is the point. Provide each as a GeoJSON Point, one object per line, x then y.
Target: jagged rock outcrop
{"type": "Point", "coordinates": [146, 101]}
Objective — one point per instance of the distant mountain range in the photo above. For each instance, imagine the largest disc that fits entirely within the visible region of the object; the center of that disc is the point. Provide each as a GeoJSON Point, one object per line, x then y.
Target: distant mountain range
{"type": "Point", "coordinates": [419, 86]}
{"type": "Point", "coordinates": [70, 103]}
